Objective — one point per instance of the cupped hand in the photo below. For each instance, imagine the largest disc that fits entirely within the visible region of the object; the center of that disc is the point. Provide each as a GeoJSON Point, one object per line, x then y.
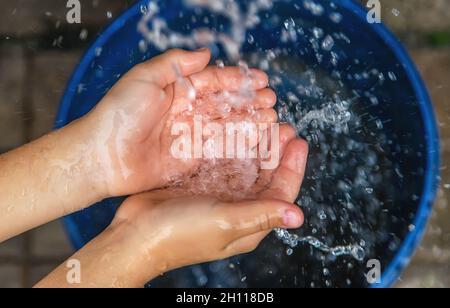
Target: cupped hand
{"type": "Point", "coordinates": [132, 124]}
{"type": "Point", "coordinates": [170, 230]}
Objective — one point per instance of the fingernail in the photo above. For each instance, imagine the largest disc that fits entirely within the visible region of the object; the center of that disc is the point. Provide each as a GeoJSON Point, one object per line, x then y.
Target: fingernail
{"type": "Point", "coordinates": [291, 219]}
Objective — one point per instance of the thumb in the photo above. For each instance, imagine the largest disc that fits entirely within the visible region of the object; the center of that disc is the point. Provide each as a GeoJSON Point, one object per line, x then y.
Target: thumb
{"type": "Point", "coordinates": [164, 69]}
{"type": "Point", "coordinates": [264, 215]}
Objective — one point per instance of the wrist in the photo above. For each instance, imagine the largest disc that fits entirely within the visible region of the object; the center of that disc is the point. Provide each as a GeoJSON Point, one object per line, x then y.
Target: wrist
{"type": "Point", "coordinates": [139, 255]}
{"type": "Point", "coordinates": [113, 172]}
{"type": "Point", "coordinates": [75, 151]}
{"type": "Point", "coordinates": [108, 261]}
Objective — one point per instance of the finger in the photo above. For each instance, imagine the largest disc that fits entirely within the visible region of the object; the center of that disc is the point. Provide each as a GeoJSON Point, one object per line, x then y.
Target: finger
{"type": "Point", "coordinates": [288, 178]}
{"type": "Point", "coordinates": [265, 116]}
{"type": "Point", "coordinates": [263, 215]}
{"type": "Point", "coordinates": [246, 244]}
{"type": "Point", "coordinates": [166, 68]}
{"type": "Point", "coordinates": [226, 104]}
{"type": "Point", "coordinates": [265, 98]}
{"type": "Point", "coordinates": [184, 96]}
{"type": "Point", "coordinates": [287, 134]}
{"type": "Point", "coordinates": [248, 126]}
{"type": "Point", "coordinates": [214, 79]}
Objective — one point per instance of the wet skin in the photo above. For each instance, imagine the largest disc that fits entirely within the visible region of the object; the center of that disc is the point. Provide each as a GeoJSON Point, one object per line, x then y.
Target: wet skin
{"type": "Point", "coordinates": [158, 231]}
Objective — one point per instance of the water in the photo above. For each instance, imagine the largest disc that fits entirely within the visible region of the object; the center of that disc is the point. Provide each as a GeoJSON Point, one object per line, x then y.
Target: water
{"type": "Point", "coordinates": [157, 32]}
{"type": "Point", "coordinates": [293, 240]}
{"type": "Point", "coordinates": [328, 43]}
{"type": "Point", "coordinates": [343, 196]}
{"type": "Point", "coordinates": [396, 12]}
{"type": "Point", "coordinates": [332, 113]}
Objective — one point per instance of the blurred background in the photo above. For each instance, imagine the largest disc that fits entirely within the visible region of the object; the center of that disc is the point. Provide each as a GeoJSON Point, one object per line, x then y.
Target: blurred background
{"type": "Point", "coordinates": [39, 50]}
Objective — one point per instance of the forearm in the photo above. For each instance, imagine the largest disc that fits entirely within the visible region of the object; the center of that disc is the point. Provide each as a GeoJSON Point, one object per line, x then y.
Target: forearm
{"type": "Point", "coordinates": [47, 179]}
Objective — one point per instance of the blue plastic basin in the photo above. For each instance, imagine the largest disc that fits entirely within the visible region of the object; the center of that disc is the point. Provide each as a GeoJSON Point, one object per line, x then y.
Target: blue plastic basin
{"type": "Point", "coordinates": [405, 105]}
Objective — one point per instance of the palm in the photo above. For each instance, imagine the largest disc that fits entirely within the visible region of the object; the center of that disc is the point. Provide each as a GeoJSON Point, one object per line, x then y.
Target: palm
{"type": "Point", "coordinates": [145, 114]}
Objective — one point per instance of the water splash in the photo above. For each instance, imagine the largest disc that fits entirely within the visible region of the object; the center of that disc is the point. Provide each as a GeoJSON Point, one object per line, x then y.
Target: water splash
{"type": "Point", "coordinates": [348, 165]}
{"type": "Point", "coordinates": [157, 32]}
{"type": "Point", "coordinates": [293, 240]}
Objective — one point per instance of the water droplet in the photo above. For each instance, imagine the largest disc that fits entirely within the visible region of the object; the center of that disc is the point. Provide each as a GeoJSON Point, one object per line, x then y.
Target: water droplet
{"type": "Point", "coordinates": [317, 32]}
{"type": "Point", "coordinates": [98, 51]}
{"type": "Point", "coordinates": [392, 76]}
{"type": "Point", "coordinates": [358, 253]}
{"type": "Point", "coordinates": [379, 124]}
{"type": "Point", "coordinates": [396, 12]}
{"type": "Point", "coordinates": [315, 8]}
{"type": "Point", "coordinates": [327, 43]}
{"type": "Point", "coordinates": [143, 46]}
{"type": "Point", "coordinates": [220, 64]}
{"type": "Point", "coordinates": [369, 190]}
{"type": "Point", "coordinates": [374, 100]}
{"type": "Point", "coordinates": [336, 17]}
{"type": "Point", "coordinates": [289, 24]}
{"type": "Point", "coordinates": [271, 55]}
{"type": "Point", "coordinates": [84, 34]}
{"type": "Point", "coordinates": [250, 39]}
{"type": "Point", "coordinates": [144, 9]}
{"type": "Point", "coordinates": [392, 246]}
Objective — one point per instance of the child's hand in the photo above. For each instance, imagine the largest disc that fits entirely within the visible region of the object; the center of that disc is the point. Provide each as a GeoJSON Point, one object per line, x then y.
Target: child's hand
{"type": "Point", "coordinates": [173, 232]}
{"type": "Point", "coordinates": [158, 231]}
{"type": "Point", "coordinates": [132, 124]}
